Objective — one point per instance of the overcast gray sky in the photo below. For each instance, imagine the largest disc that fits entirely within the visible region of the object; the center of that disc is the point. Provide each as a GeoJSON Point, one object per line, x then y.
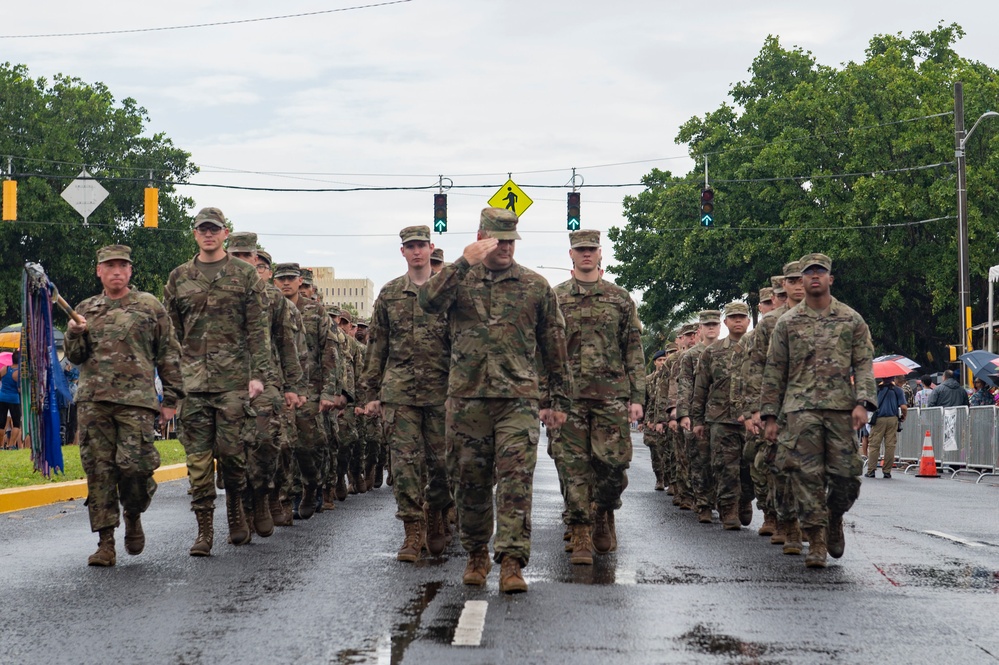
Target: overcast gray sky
{"type": "Point", "coordinates": [468, 89]}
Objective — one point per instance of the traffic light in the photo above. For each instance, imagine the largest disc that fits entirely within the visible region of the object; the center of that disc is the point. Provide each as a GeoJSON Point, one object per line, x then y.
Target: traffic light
{"type": "Point", "coordinates": [151, 205]}
{"type": "Point", "coordinates": [572, 205]}
{"type": "Point", "coordinates": [440, 213]}
{"type": "Point", "coordinates": [952, 352]}
{"type": "Point", "coordinates": [707, 207]}
{"type": "Point", "coordinates": [9, 201]}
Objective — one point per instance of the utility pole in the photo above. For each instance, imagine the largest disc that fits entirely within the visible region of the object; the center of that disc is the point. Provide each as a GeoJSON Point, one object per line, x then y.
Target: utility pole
{"type": "Point", "coordinates": [964, 278]}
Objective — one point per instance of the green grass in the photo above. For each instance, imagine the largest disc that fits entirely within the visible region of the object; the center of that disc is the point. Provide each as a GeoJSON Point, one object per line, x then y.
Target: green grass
{"type": "Point", "coordinates": [16, 469]}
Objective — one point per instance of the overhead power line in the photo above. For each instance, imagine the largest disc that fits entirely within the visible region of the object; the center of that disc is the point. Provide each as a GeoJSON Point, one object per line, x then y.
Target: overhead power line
{"type": "Point", "coordinates": [205, 25]}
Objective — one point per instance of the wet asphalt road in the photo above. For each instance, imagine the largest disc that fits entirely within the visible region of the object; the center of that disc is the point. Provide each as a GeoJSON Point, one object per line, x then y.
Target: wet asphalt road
{"type": "Point", "coordinates": [330, 591]}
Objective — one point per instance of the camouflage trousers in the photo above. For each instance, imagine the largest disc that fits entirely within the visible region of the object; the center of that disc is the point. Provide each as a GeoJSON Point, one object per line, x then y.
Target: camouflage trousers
{"type": "Point", "coordinates": [119, 457]}
{"type": "Point", "coordinates": [656, 443]}
{"type": "Point", "coordinates": [416, 444]}
{"type": "Point", "coordinates": [759, 455]}
{"type": "Point", "coordinates": [680, 480]}
{"type": "Point", "coordinates": [213, 427]}
{"type": "Point", "coordinates": [313, 445]}
{"type": "Point", "coordinates": [702, 486]}
{"type": "Point", "coordinates": [729, 467]}
{"type": "Point", "coordinates": [263, 439]}
{"type": "Point", "coordinates": [819, 455]}
{"type": "Point", "coordinates": [374, 436]}
{"type": "Point", "coordinates": [287, 466]}
{"type": "Point", "coordinates": [593, 449]}
{"type": "Point", "coordinates": [348, 440]}
{"type": "Point", "coordinates": [493, 442]}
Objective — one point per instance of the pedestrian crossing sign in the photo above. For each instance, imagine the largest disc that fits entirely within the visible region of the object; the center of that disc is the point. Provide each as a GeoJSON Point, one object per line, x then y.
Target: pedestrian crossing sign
{"type": "Point", "coordinates": [511, 197]}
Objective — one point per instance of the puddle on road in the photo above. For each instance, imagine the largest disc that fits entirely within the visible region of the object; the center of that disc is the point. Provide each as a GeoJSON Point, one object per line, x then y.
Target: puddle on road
{"type": "Point", "coordinates": [953, 577]}
{"type": "Point", "coordinates": [391, 648]}
{"type": "Point", "coordinates": [705, 639]}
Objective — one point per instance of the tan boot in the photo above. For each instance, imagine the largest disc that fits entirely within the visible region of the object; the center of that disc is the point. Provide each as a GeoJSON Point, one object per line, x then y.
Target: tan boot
{"type": "Point", "coordinates": [307, 506]}
{"type": "Point", "coordinates": [436, 532]}
{"type": "Point", "coordinates": [206, 533]}
{"type": "Point", "coordinates": [730, 517]}
{"type": "Point", "coordinates": [613, 530]}
{"type": "Point", "coordinates": [477, 568]}
{"type": "Point", "coordinates": [660, 481]}
{"type": "Point", "coordinates": [413, 542]}
{"type": "Point", "coordinates": [704, 516]}
{"type": "Point", "coordinates": [239, 530]}
{"type": "Point", "coordinates": [340, 489]}
{"type": "Point", "coordinates": [262, 520]}
{"type": "Point", "coordinates": [369, 477]}
{"type": "Point", "coordinates": [792, 538]}
{"type": "Point", "coordinates": [816, 557]}
{"type": "Point", "coordinates": [601, 532]}
{"type": "Point", "coordinates": [582, 545]}
{"type": "Point", "coordinates": [511, 579]}
{"type": "Point", "coordinates": [769, 527]}
{"type": "Point", "coordinates": [135, 538]}
{"type": "Point", "coordinates": [835, 540]}
{"type": "Point", "coordinates": [280, 510]}
{"type": "Point", "coordinates": [328, 498]}
{"type": "Point", "coordinates": [745, 512]}
{"type": "Point", "coordinates": [105, 555]}
{"type": "Point", "coordinates": [780, 535]}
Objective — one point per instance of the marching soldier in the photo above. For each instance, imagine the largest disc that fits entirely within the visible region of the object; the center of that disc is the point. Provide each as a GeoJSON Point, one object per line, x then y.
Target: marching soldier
{"type": "Point", "coordinates": [125, 338]}
{"type": "Point", "coordinates": [436, 261]}
{"type": "Point", "coordinates": [650, 437]}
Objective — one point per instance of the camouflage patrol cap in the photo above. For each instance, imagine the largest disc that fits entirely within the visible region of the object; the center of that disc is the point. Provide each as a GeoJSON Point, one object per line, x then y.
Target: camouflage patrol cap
{"type": "Point", "coordinates": [708, 316]}
{"type": "Point", "coordinates": [815, 259]}
{"type": "Point", "coordinates": [736, 308]}
{"type": "Point", "coordinates": [287, 270]}
{"type": "Point", "coordinates": [243, 242]}
{"type": "Point", "coordinates": [792, 269]}
{"type": "Point", "coordinates": [415, 233]}
{"type": "Point", "coordinates": [499, 223]}
{"type": "Point", "coordinates": [114, 252]}
{"type": "Point", "coordinates": [687, 329]}
{"type": "Point", "coordinates": [265, 256]}
{"type": "Point", "coordinates": [212, 216]}
{"type": "Point", "coordinates": [777, 283]}
{"type": "Point", "coordinates": [333, 311]}
{"type": "Point", "coordinates": [766, 294]}
{"type": "Point", "coordinates": [587, 238]}
{"type": "Point", "coordinates": [345, 315]}
{"type": "Point", "coordinates": [306, 277]}
{"type": "Point", "coordinates": [362, 323]}
{"type": "Point", "coordinates": [437, 255]}
{"type": "Point", "coordinates": [671, 348]}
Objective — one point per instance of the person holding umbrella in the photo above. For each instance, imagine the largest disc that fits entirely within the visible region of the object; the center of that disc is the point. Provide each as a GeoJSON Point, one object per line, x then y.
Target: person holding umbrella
{"type": "Point", "coordinates": [982, 396]}
{"type": "Point", "coordinates": [884, 427]}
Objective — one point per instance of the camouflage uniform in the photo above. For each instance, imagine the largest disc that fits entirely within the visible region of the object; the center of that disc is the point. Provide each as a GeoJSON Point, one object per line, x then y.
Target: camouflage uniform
{"type": "Point", "coordinates": [408, 360]}
{"type": "Point", "coordinates": [353, 451]}
{"type": "Point", "coordinates": [715, 405]}
{"type": "Point", "coordinates": [650, 437]}
{"type": "Point", "coordinates": [698, 450]}
{"type": "Point", "coordinates": [225, 341]}
{"type": "Point", "coordinates": [811, 360]}
{"type": "Point", "coordinates": [603, 339]}
{"type": "Point", "coordinates": [126, 342]}
{"type": "Point", "coordinates": [664, 411]}
{"type": "Point", "coordinates": [499, 322]}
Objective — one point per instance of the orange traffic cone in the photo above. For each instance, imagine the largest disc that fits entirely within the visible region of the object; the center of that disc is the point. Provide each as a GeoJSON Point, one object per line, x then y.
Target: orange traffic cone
{"type": "Point", "coordinates": [927, 463]}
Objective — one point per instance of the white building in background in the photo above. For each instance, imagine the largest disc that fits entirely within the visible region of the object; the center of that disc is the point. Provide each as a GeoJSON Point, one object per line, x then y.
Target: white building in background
{"type": "Point", "coordinates": [359, 293]}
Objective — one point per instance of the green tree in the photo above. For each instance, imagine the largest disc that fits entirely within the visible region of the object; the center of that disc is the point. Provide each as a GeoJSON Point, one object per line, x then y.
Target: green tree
{"type": "Point", "coordinates": [776, 152]}
{"type": "Point", "coordinates": [50, 130]}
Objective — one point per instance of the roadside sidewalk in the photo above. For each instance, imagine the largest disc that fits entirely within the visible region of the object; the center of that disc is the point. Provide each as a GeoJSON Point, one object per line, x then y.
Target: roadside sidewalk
{"type": "Point", "coordinates": [21, 498]}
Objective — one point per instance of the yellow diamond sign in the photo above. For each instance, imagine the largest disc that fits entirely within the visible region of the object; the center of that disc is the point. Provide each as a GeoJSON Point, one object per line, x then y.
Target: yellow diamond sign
{"type": "Point", "coordinates": [511, 197]}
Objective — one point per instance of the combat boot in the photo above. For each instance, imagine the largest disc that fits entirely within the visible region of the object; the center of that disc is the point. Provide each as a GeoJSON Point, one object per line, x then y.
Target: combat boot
{"type": "Point", "coordinates": [341, 488]}
{"type": "Point", "coordinates": [369, 477]}
{"type": "Point", "coordinates": [745, 512]}
{"type": "Point", "coordinates": [105, 555]}
{"type": "Point", "coordinates": [835, 540]}
{"type": "Point", "coordinates": [704, 516]}
{"type": "Point", "coordinates": [613, 530]}
{"type": "Point", "coordinates": [280, 510]}
{"type": "Point", "coordinates": [601, 532]}
{"type": "Point", "coordinates": [436, 532]}
{"type": "Point", "coordinates": [263, 523]}
{"type": "Point", "coordinates": [660, 481]}
{"type": "Point", "coordinates": [307, 508]}
{"type": "Point", "coordinates": [677, 499]}
{"type": "Point", "coordinates": [352, 484]}
{"type": "Point", "coordinates": [413, 542]}
{"type": "Point", "coordinates": [686, 503]}
{"type": "Point", "coordinates": [780, 535]}
{"type": "Point", "coordinates": [769, 527]}
{"type": "Point", "coordinates": [816, 557]}
{"type": "Point", "coordinates": [239, 530]}
{"type": "Point", "coordinates": [581, 545]}
{"type": "Point", "coordinates": [730, 517]}
{"type": "Point", "coordinates": [362, 485]}
{"type": "Point", "coordinates": [379, 475]}
{"type": "Point", "coordinates": [792, 538]}
{"type": "Point", "coordinates": [567, 537]}
{"type": "Point", "coordinates": [477, 568]}
{"type": "Point", "coordinates": [511, 579]}
{"type": "Point", "coordinates": [328, 498]}
{"type": "Point", "coordinates": [135, 538]}
{"type": "Point", "coordinates": [206, 533]}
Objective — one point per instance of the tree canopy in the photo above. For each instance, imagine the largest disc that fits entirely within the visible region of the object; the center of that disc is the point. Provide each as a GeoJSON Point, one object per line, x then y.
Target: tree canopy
{"type": "Point", "coordinates": [51, 130]}
{"type": "Point", "coordinates": [849, 161]}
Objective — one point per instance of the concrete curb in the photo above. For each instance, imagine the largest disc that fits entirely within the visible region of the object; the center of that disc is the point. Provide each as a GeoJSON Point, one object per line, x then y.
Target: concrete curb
{"type": "Point", "coordinates": [21, 498]}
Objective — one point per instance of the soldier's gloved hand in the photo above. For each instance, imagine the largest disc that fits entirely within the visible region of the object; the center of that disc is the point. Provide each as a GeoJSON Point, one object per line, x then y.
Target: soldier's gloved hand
{"type": "Point", "coordinates": [290, 400]}
{"type": "Point", "coordinates": [699, 431]}
{"type": "Point", "coordinates": [78, 328]}
{"type": "Point", "coordinates": [685, 423]}
{"type": "Point", "coordinates": [325, 405]}
{"type": "Point", "coordinates": [255, 388]}
{"type": "Point", "coordinates": [478, 250]}
{"type": "Point", "coordinates": [635, 412]}
{"type": "Point", "coordinates": [770, 429]}
{"type": "Point", "coordinates": [373, 408]}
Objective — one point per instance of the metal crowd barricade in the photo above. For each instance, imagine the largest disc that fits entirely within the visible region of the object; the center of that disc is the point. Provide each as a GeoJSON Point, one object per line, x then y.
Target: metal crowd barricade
{"type": "Point", "coordinates": [975, 429]}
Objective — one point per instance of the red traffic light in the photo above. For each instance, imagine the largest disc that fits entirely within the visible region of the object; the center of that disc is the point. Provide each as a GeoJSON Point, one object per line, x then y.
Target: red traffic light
{"type": "Point", "coordinates": [707, 200]}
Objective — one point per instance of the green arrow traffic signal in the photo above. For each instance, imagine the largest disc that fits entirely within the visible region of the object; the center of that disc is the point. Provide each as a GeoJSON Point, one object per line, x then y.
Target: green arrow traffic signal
{"type": "Point", "coordinates": [572, 211]}
{"type": "Point", "coordinates": [440, 213]}
{"type": "Point", "coordinates": [707, 206]}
